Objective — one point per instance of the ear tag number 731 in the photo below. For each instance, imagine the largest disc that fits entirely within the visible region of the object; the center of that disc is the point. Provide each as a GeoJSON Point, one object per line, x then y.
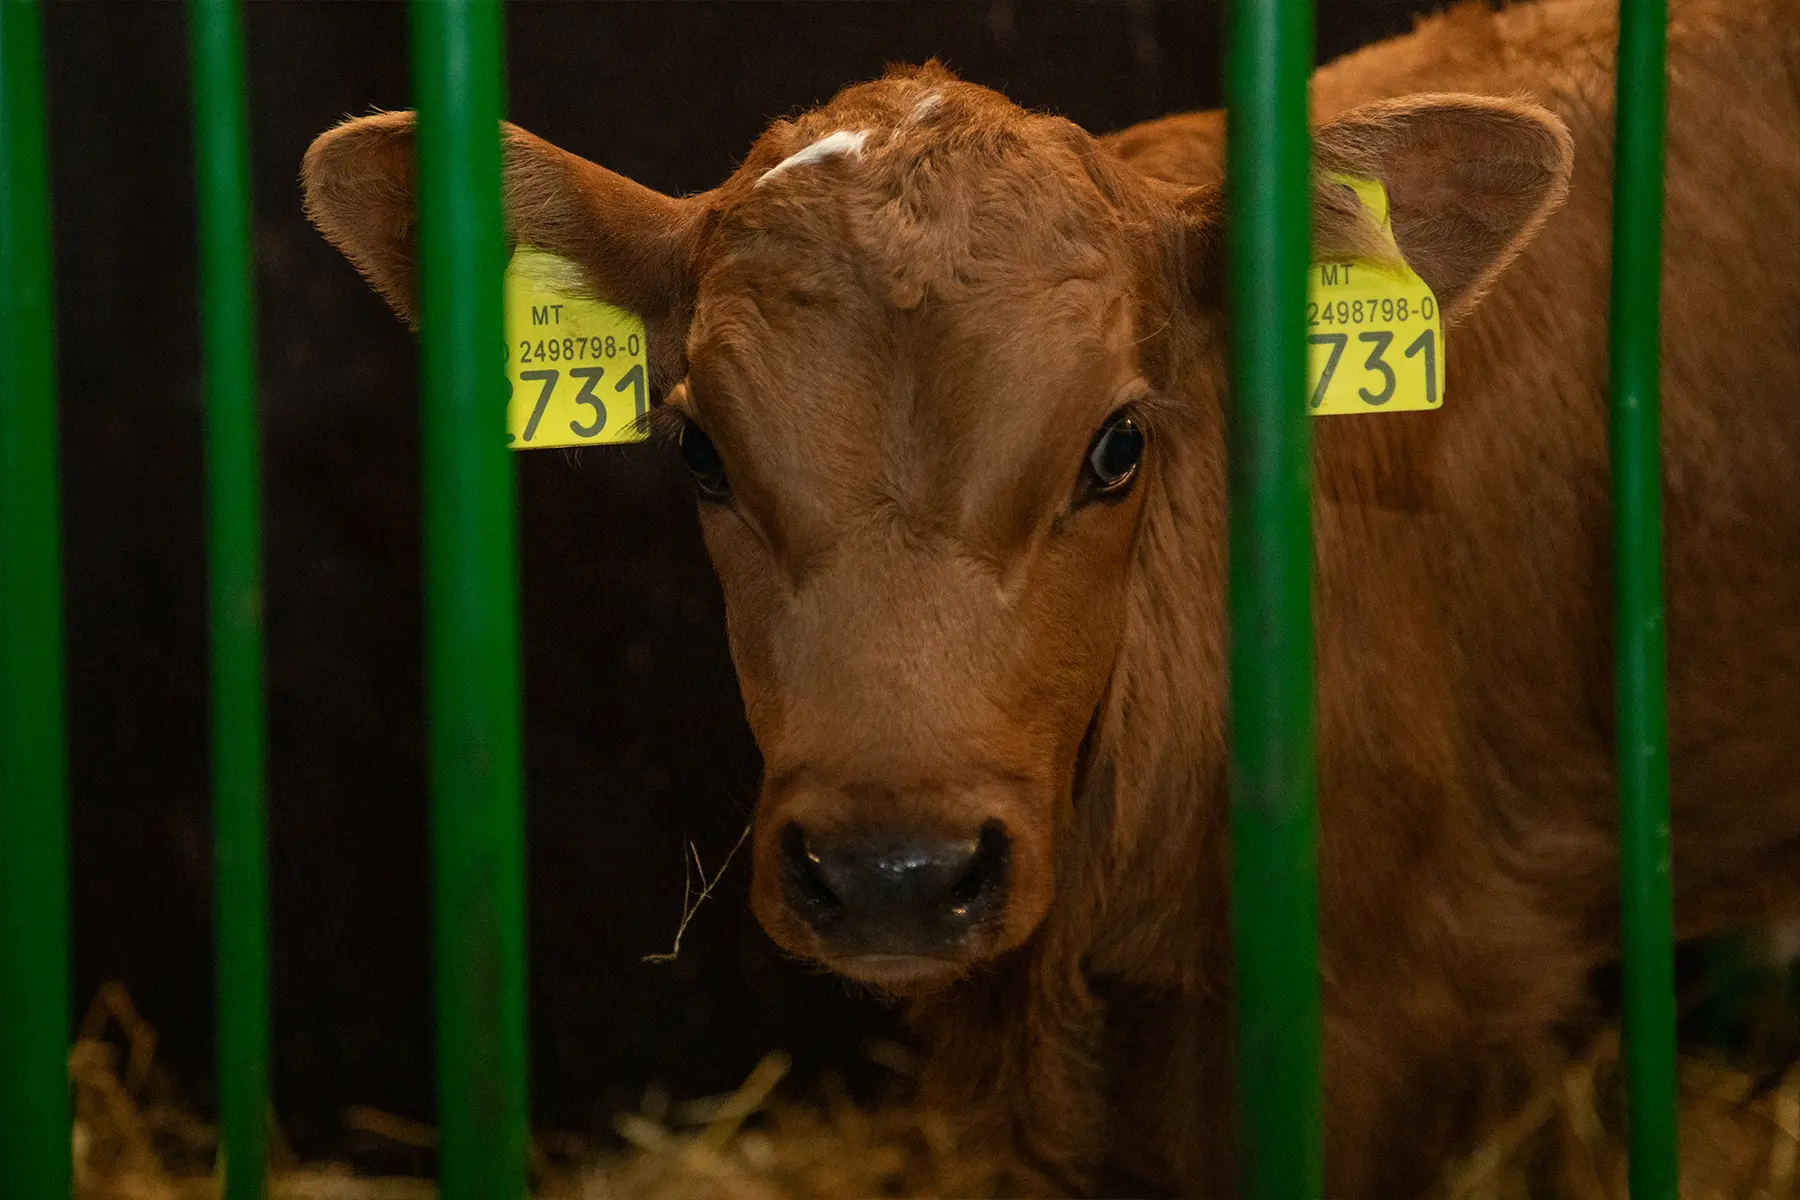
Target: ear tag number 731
{"type": "Point", "coordinates": [1374, 335]}
{"type": "Point", "coordinates": [576, 366]}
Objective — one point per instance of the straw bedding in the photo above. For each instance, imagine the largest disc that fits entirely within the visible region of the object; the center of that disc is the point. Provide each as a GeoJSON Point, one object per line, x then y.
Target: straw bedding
{"type": "Point", "coordinates": [133, 1141]}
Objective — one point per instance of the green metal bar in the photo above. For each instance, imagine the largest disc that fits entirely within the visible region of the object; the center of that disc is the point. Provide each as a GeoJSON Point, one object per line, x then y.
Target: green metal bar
{"type": "Point", "coordinates": [471, 611]}
{"type": "Point", "coordinates": [1274, 822]}
{"type": "Point", "coordinates": [34, 829]}
{"type": "Point", "coordinates": [234, 553]}
{"type": "Point", "coordinates": [1648, 908]}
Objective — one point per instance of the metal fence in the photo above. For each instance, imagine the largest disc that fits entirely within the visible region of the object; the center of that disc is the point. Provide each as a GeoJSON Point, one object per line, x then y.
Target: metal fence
{"type": "Point", "coordinates": [472, 661]}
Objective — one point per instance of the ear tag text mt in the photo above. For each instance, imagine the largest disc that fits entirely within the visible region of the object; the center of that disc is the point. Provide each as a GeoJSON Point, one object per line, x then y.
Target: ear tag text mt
{"type": "Point", "coordinates": [576, 365]}
{"type": "Point", "coordinates": [1374, 333]}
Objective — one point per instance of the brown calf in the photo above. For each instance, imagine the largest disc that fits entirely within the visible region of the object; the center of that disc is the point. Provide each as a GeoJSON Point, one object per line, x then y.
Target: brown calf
{"type": "Point", "coordinates": [949, 376]}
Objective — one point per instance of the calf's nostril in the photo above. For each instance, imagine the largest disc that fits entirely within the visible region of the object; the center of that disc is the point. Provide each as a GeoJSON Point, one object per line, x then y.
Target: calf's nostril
{"type": "Point", "coordinates": [985, 880]}
{"type": "Point", "coordinates": [802, 879]}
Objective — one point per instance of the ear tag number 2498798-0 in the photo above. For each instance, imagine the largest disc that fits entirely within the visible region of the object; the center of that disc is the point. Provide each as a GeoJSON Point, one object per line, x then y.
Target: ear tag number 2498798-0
{"type": "Point", "coordinates": [1374, 334]}
{"type": "Point", "coordinates": [576, 365]}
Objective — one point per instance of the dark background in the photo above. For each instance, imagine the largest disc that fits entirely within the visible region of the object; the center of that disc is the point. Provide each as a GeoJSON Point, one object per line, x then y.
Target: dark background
{"type": "Point", "coordinates": [635, 740]}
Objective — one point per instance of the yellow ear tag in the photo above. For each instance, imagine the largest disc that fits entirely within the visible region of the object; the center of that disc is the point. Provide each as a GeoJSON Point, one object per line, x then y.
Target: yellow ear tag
{"type": "Point", "coordinates": [1374, 335]}
{"type": "Point", "coordinates": [576, 364]}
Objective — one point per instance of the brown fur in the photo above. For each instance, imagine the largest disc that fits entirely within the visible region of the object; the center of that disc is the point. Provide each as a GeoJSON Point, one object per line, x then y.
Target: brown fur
{"type": "Point", "coordinates": [901, 356]}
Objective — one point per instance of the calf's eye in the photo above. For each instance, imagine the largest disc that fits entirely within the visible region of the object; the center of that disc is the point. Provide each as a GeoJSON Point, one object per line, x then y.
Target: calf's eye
{"type": "Point", "coordinates": [702, 458]}
{"type": "Point", "coordinates": [1114, 454]}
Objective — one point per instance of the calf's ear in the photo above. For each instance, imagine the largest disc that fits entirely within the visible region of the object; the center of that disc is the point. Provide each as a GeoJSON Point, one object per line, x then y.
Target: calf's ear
{"type": "Point", "coordinates": [634, 245]}
{"type": "Point", "coordinates": [1470, 181]}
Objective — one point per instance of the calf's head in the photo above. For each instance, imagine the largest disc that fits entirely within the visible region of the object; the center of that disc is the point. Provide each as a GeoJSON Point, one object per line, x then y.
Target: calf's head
{"type": "Point", "coordinates": [928, 356]}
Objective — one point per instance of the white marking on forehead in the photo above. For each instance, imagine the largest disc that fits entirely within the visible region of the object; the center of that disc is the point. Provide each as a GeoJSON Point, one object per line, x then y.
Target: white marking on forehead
{"type": "Point", "coordinates": [924, 106]}
{"type": "Point", "coordinates": [829, 146]}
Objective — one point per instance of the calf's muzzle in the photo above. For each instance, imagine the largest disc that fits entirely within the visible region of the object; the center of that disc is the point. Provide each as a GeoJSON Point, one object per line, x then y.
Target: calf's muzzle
{"type": "Point", "coordinates": [881, 893]}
